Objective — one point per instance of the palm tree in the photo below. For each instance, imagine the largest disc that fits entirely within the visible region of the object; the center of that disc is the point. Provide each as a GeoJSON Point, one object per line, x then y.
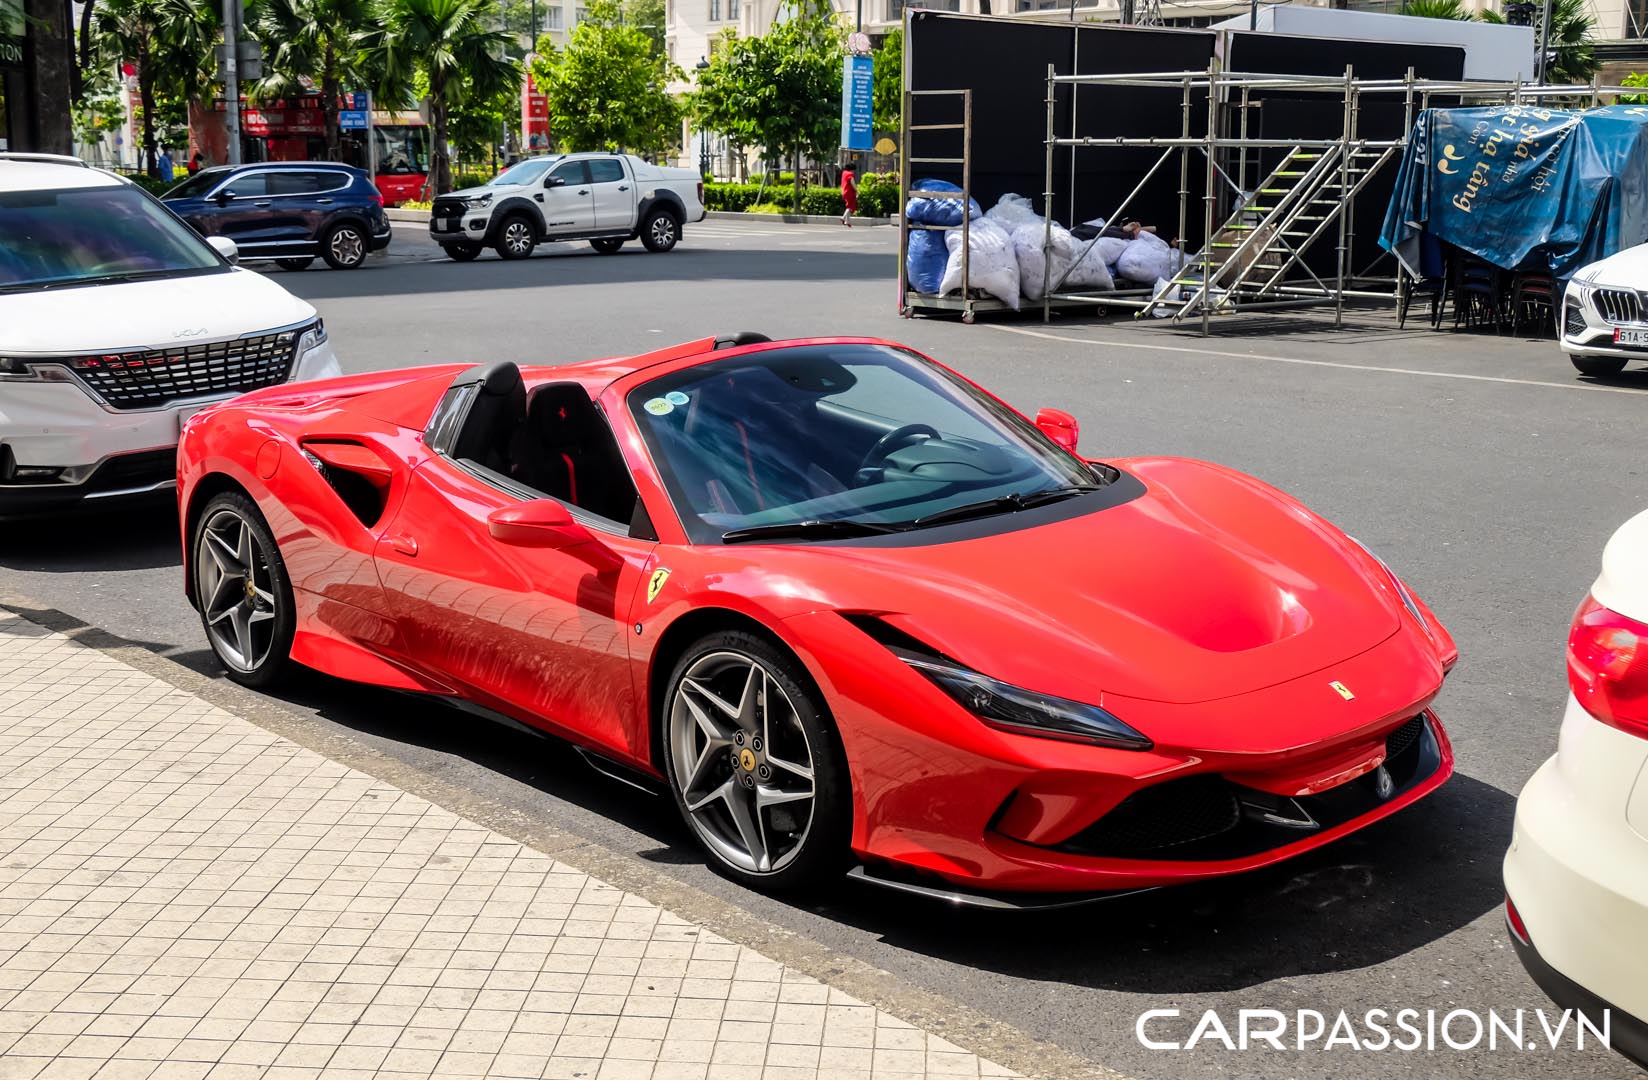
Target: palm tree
{"type": "Point", "coordinates": [451, 47]}
{"type": "Point", "coordinates": [170, 43]}
{"type": "Point", "coordinates": [1569, 38]}
{"type": "Point", "coordinates": [314, 40]}
{"type": "Point", "coordinates": [1439, 9]}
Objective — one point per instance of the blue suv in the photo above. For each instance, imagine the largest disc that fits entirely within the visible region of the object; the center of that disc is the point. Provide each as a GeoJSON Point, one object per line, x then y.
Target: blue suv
{"type": "Point", "coordinates": [288, 211]}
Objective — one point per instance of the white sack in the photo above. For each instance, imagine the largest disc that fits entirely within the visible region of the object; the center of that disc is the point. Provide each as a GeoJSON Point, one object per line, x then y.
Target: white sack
{"type": "Point", "coordinates": [1012, 211]}
{"type": "Point", "coordinates": [1088, 274]}
{"type": "Point", "coordinates": [992, 265]}
{"type": "Point", "coordinates": [1147, 258]}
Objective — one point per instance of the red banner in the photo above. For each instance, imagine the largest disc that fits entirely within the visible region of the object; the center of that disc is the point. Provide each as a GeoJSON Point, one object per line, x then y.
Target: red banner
{"type": "Point", "coordinates": [534, 116]}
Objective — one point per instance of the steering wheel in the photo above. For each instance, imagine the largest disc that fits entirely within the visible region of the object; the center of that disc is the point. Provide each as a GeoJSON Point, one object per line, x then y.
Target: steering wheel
{"type": "Point", "coordinates": [892, 441]}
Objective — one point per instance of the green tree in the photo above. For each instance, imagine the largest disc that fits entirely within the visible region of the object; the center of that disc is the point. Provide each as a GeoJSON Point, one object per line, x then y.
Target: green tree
{"type": "Point", "coordinates": [1439, 9]}
{"type": "Point", "coordinates": [780, 91]}
{"type": "Point", "coordinates": [170, 43]}
{"type": "Point", "coordinates": [887, 93]}
{"type": "Point", "coordinates": [454, 48]}
{"type": "Point", "coordinates": [1636, 78]}
{"type": "Point", "coordinates": [310, 43]}
{"type": "Point", "coordinates": [1569, 38]}
{"type": "Point", "coordinates": [606, 89]}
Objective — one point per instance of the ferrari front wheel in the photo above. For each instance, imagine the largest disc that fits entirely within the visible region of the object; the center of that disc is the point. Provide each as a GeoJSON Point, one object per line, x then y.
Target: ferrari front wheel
{"type": "Point", "coordinates": [755, 764]}
{"type": "Point", "coordinates": [242, 591]}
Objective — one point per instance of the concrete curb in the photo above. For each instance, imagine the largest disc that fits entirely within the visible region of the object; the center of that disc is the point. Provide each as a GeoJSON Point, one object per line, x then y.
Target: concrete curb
{"type": "Point", "coordinates": [421, 217]}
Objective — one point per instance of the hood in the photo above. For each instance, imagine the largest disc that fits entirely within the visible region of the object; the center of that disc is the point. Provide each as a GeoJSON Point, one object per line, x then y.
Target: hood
{"type": "Point", "coordinates": [472, 192]}
{"type": "Point", "coordinates": [1208, 585]}
{"type": "Point", "coordinates": [1623, 268]}
{"type": "Point", "coordinates": [162, 313]}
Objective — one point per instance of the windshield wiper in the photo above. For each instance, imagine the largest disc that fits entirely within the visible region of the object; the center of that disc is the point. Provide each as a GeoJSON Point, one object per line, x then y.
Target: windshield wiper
{"type": "Point", "coordinates": [1002, 504]}
{"type": "Point", "coordinates": [809, 530]}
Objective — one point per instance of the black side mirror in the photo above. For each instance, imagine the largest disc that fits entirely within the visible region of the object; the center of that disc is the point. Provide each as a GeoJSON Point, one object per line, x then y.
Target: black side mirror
{"type": "Point", "coordinates": [222, 198]}
{"type": "Point", "coordinates": [554, 181]}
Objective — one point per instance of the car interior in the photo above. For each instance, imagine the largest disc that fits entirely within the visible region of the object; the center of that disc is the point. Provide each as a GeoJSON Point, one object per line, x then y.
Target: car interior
{"type": "Point", "coordinates": [553, 441]}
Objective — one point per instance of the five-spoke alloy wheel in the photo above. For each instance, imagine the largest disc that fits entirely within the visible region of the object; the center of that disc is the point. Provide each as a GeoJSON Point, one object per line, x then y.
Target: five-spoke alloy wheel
{"type": "Point", "coordinates": [241, 589]}
{"type": "Point", "coordinates": [754, 764]}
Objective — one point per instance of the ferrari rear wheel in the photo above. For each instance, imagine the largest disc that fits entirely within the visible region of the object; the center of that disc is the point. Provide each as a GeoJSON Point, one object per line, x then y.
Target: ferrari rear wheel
{"type": "Point", "coordinates": [755, 765]}
{"type": "Point", "coordinates": [242, 591]}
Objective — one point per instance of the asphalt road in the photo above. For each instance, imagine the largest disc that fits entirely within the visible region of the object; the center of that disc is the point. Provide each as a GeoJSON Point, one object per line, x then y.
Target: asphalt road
{"type": "Point", "coordinates": [1478, 466]}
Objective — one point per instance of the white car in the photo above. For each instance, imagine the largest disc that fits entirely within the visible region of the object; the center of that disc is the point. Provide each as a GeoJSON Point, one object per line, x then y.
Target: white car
{"type": "Point", "coordinates": [1605, 314]}
{"type": "Point", "coordinates": [606, 199]}
{"type": "Point", "coordinates": [117, 322]}
{"type": "Point", "coordinates": [1576, 876]}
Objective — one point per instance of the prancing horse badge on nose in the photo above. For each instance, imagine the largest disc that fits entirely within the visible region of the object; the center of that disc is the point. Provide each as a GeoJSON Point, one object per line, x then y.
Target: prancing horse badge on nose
{"type": "Point", "coordinates": [1342, 690]}
{"type": "Point", "coordinates": [656, 585]}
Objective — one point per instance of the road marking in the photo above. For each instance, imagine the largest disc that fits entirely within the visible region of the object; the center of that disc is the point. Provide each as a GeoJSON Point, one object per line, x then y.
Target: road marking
{"type": "Point", "coordinates": [1321, 363]}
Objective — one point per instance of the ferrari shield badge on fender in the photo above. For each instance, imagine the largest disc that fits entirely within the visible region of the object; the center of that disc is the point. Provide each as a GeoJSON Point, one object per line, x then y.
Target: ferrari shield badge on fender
{"type": "Point", "coordinates": [656, 585]}
{"type": "Point", "coordinates": [1342, 690]}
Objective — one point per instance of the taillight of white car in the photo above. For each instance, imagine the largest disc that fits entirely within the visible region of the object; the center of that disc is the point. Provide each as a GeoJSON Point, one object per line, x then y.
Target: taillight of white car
{"type": "Point", "coordinates": [1608, 667]}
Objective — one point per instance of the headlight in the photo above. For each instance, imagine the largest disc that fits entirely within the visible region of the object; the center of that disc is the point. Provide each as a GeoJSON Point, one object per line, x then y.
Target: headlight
{"type": "Point", "coordinates": [476, 202]}
{"type": "Point", "coordinates": [1024, 712]}
{"type": "Point", "coordinates": [313, 338]}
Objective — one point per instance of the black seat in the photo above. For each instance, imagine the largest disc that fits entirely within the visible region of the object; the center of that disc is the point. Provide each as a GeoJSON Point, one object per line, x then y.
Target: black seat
{"type": "Point", "coordinates": [566, 450]}
{"type": "Point", "coordinates": [490, 425]}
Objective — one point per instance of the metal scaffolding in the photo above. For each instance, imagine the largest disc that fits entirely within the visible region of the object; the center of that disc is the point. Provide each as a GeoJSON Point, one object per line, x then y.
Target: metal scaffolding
{"type": "Point", "coordinates": [1256, 238]}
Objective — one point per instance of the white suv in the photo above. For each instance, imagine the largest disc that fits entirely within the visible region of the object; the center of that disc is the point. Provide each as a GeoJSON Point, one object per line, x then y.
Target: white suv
{"type": "Point", "coordinates": [117, 322]}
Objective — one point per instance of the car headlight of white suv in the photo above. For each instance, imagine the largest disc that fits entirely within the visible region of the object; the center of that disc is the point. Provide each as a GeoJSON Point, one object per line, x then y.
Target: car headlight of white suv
{"type": "Point", "coordinates": [477, 202]}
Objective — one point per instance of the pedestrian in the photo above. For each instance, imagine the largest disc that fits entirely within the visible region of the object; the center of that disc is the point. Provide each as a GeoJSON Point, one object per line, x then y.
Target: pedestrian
{"type": "Point", "coordinates": [194, 163]}
{"type": "Point", "coordinates": [164, 162]}
{"type": "Point", "coordinates": [849, 195]}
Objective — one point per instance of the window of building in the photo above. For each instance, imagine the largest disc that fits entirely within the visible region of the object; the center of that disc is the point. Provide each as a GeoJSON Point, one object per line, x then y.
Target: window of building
{"type": "Point", "coordinates": [732, 9]}
{"type": "Point", "coordinates": [715, 10]}
{"type": "Point", "coordinates": [581, 15]}
{"type": "Point", "coordinates": [552, 18]}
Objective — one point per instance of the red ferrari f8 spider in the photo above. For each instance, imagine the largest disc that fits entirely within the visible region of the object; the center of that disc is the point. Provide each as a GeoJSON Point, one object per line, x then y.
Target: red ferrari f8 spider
{"type": "Point", "coordinates": [852, 610]}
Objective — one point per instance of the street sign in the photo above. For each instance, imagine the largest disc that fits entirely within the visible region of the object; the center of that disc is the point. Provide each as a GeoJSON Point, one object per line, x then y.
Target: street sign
{"type": "Point", "coordinates": [351, 119]}
{"type": "Point", "coordinates": [857, 86]}
{"type": "Point", "coordinates": [885, 146]}
{"type": "Point", "coordinates": [356, 100]}
{"type": "Point", "coordinates": [858, 43]}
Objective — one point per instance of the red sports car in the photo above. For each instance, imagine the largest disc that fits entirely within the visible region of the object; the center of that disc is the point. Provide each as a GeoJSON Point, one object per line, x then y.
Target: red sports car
{"type": "Point", "coordinates": [855, 612]}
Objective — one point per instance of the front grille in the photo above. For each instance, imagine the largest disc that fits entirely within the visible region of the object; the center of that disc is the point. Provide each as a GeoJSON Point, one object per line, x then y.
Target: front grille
{"type": "Point", "coordinates": [1403, 738]}
{"type": "Point", "coordinates": [1164, 816]}
{"type": "Point", "coordinates": [447, 208]}
{"type": "Point", "coordinates": [1619, 305]}
{"type": "Point", "coordinates": [150, 378]}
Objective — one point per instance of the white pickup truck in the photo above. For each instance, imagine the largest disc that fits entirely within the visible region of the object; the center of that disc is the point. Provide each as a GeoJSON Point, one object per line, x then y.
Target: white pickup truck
{"type": "Point", "coordinates": [603, 198]}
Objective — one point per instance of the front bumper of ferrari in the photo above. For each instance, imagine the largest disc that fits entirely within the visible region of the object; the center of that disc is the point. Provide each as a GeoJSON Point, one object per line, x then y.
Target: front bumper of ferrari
{"type": "Point", "coordinates": [940, 797]}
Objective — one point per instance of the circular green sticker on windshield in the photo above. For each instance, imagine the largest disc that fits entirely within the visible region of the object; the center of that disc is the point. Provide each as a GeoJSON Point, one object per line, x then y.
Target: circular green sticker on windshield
{"type": "Point", "coordinates": [676, 397]}
{"type": "Point", "coordinates": [659, 407]}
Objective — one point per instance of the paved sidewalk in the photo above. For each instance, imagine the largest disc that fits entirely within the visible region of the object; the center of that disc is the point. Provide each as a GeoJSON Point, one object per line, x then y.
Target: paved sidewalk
{"type": "Point", "coordinates": [184, 894]}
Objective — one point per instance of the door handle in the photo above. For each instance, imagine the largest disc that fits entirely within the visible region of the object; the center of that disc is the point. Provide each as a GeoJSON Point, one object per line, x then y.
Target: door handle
{"type": "Point", "coordinates": [623, 187]}
{"type": "Point", "coordinates": [261, 203]}
{"type": "Point", "coordinates": [583, 191]}
{"type": "Point", "coordinates": [404, 544]}
{"type": "Point", "coordinates": [327, 202]}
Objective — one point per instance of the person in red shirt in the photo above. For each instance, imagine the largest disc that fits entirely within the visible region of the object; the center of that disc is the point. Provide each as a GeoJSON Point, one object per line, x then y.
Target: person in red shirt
{"type": "Point", "coordinates": [849, 194]}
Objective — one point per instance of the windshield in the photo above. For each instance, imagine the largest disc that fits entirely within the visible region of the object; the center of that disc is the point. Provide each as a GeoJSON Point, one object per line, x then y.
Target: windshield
{"type": "Point", "coordinates": [197, 185]}
{"type": "Point", "coordinates": [863, 434]}
{"type": "Point", "coordinates": [402, 149]}
{"type": "Point", "coordinates": [82, 236]}
{"type": "Point", "coordinates": [529, 171]}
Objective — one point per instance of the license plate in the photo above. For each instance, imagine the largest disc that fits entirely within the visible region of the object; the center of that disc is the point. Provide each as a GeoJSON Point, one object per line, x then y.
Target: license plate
{"type": "Point", "coordinates": [183, 415]}
{"type": "Point", "coordinates": [1623, 336]}
{"type": "Point", "coordinates": [446, 226]}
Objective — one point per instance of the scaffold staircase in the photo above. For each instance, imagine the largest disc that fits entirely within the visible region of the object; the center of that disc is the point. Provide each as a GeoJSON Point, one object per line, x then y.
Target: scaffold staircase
{"type": "Point", "coordinates": [1252, 258]}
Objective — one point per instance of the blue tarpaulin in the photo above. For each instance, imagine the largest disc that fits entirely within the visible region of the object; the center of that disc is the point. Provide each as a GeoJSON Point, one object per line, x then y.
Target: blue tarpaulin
{"type": "Point", "coordinates": [1524, 187]}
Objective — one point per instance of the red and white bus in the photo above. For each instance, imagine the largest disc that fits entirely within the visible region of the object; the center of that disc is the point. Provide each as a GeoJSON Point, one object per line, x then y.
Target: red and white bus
{"type": "Point", "coordinates": [394, 148]}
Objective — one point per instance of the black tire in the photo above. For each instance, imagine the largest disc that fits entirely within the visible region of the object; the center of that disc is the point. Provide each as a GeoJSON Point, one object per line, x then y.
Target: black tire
{"type": "Point", "coordinates": [296, 263]}
{"type": "Point", "coordinates": [463, 251]}
{"type": "Point", "coordinates": [800, 854]}
{"type": "Point", "coordinates": [607, 246]}
{"type": "Point", "coordinates": [345, 246]}
{"type": "Point", "coordinates": [516, 237]}
{"type": "Point", "coordinates": [660, 230]}
{"type": "Point", "coordinates": [270, 592]}
{"type": "Point", "coordinates": [1599, 367]}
